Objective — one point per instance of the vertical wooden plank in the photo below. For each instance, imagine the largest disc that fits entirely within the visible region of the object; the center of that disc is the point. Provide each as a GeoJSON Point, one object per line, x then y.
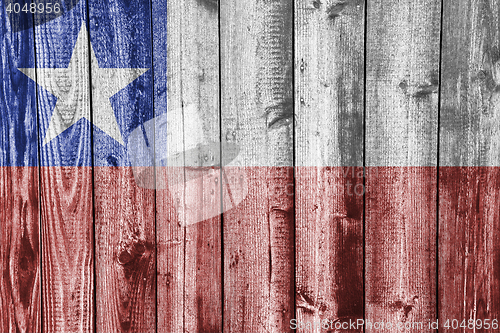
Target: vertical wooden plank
{"type": "Point", "coordinates": [469, 265]}
{"type": "Point", "coordinates": [67, 272]}
{"type": "Point", "coordinates": [187, 89]}
{"type": "Point", "coordinates": [19, 192]}
{"type": "Point", "coordinates": [329, 71]}
{"type": "Point", "coordinates": [170, 235]}
{"type": "Point", "coordinates": [125, 253]}
{"type": "Point", "coordinates": [403, 41]}
{"type": "Point", "coordinates": [66, 176]}
{"type": "Point", "coordinates": [257, 114]}
{"type": "Point", "coordinates": [401, 248]}
{"type": "Point", "coordinates": [20, 253]}
{"type": "Point", "coordinates": [468, 251]}
{"type": "Point", "coordinates": [200, 93]}
{"type": "Point", "coordinates": [120, 35]}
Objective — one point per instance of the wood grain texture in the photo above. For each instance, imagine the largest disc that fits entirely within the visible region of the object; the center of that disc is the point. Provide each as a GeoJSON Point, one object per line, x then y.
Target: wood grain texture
{"type": "Point", "coordinates": [329, 74]}
{"type": "Point", "coordinates": [258, 253]}
{"type": "Point", "coordinates": [125, 241]}
{"type": "Point", "coordinates": [170, 238]}
{"type": "Point", "coordinates": [20, 309]}
{"type": "Point", "coordinates": [470, 78]}
{"type": "Point", "coordinates": [20, 250]}
{"type": "Point", "coordinates": [329, 250]}
{"type": "Point", "coordinates": [293, 248]}
{"type": "Point", "coordinates": [200, 91]}
{"type": "Point", "coordinates": [257, 114]}
{"type": "Point", "coordinates": [18, 117]}
{"type": "Point", "coordinates": [401, 153]}
{"type": "Point", "coordinates": [469, 279]}
{"type": "Point", "coordinates": [67, 263]}
{"type": "Point", "coordinates": [189, 258]}
{"type": "Point", "coordinates": [468, 224]}
{"type": "Point", "coordinates": [66, 190]}
{"type": "Point", "coordinates": [170, 235]}
{"type": "Point", "coordinates": [125, 252]}
{"type": "Point", "coordinates": [401, 248]}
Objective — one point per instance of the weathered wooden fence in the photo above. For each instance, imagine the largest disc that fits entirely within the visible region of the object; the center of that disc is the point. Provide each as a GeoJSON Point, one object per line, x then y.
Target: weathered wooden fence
{"type": "Point", "coordinates": [368, 134]}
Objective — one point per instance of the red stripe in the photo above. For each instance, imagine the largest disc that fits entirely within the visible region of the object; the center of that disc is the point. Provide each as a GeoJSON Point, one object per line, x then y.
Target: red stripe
{"type": "Point", "coordinates": [125, 252]}
{"type": "Point", "coordinates": [67, 249]}
{"type": "Point", "coordinates": [259, 243]}
{"type": "Point", "coordinates": [400, 246]}
{"type": "Point", "coordinates": [19, 250]}
{"type": "Point", "coordinates": [329, 246]}
{"type": "Point", "coordinates": [469, 248]}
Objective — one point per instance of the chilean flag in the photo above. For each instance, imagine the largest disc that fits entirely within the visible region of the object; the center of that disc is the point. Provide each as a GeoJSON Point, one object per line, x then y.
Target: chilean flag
{"type": "Point", "coordinates": [110, 206]}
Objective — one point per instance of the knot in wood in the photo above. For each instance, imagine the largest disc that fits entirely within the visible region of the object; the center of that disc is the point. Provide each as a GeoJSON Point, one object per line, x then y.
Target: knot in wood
{"type": "Point", "coordinates": [130, 252]}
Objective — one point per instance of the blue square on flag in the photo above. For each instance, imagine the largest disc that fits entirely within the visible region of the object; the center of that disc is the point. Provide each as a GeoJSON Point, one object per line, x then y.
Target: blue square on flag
{"type": "Point", "coordinates": [101, 84]}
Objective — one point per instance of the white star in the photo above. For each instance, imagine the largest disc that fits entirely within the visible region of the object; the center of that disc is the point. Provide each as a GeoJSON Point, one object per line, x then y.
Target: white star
{"type": "Point", "coordinates": [71, 87]}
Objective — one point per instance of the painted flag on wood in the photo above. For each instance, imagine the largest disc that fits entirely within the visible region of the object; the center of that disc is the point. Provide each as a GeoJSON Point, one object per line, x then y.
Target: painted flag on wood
{"type": "Point", "coordinates": [92, 66]}
{"type": "Point", "coordinates": [20, 306]}
{"type": "Point", "coordinates": [269, 166]}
